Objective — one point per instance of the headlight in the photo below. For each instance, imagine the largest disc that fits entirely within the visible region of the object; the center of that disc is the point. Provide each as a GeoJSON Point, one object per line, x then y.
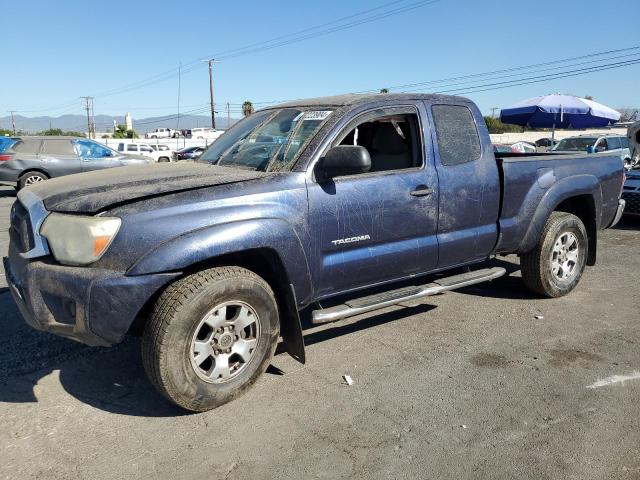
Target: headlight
{"type": "Point", "coordinates": [77, 240]}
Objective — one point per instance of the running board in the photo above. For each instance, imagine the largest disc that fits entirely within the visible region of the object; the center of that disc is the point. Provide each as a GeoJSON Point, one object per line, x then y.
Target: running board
{"type": "Point", "coordinates": [393, 297]}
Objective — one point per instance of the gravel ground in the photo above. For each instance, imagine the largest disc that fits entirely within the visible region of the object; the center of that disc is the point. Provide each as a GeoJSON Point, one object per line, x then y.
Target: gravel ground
{"type": "Point", "coordinates": [487, 382]}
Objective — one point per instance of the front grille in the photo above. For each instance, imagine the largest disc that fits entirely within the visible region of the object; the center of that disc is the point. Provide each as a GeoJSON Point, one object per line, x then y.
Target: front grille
{"type": "Point", "coordinates": [633, 202]}
{"type": "Point", "coordinates": [20, 232]}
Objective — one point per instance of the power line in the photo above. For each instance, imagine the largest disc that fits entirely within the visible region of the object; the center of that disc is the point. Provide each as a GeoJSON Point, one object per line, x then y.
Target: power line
{"type": "Point", "coordinates": [294, 37]}
{"type": "Point", "coordinates": [513, 69]}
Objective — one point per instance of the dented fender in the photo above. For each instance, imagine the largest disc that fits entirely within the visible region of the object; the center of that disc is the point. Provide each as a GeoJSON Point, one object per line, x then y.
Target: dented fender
{"type": "Point", "coordinates": [210, 242]}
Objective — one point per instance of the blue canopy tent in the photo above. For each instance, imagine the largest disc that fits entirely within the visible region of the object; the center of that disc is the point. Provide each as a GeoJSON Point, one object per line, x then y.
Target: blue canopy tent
{"type": "Point", "coordinates": [559, 111]}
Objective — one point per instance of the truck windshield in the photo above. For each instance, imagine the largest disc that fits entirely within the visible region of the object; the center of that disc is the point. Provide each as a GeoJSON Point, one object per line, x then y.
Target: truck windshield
{"type": "Point", "coordinates": [578, 144]}
{"type": "Point", "coordinates": [267, 141]}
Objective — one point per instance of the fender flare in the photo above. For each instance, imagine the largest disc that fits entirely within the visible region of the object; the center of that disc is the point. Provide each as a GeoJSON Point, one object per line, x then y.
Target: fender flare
{"type": "Point", "coordinates": [208, 243]}
{"type": "Point", "coordinates": [560, 191]}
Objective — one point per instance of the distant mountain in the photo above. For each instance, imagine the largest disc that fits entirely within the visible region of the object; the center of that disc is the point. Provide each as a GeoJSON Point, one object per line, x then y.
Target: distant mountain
{"type": "Point", "coordinates": [104, 123]}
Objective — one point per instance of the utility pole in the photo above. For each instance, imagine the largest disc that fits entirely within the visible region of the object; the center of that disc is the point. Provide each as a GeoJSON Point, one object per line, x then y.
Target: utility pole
{"type": "Point", "coordinates": [213, 116]}
{"type": "Point", "coordinates": [228, 117]}
{"type": "Point", "coordinates": [89, 108]}
{"type": "Point", "coordinates": [493, 111]}
{"type": "Point", "coordinates": [13, 121]}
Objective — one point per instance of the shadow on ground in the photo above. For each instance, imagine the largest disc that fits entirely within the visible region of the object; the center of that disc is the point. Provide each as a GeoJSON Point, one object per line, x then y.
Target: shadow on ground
{"type": "Point", "coordinates": [628, 222]}
{"type": "Point", "coordinates": [113, 380]}
{"type": "Point", "coordinates": [7, 192]}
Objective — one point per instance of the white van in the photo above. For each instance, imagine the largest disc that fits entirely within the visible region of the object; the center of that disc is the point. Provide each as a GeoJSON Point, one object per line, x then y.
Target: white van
{"type": "Point", "coordinates": [160, 153]}
{"type": "Point", "coordinates": [206, 133]}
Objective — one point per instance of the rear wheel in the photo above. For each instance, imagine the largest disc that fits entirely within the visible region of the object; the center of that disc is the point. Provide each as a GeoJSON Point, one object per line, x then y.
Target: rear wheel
{"type": "Point", "coordinates": [164, 159]}
{"type": "Point", "coordinates": [30, 178]}
{"type": "Point", "coordinates": [555, 266]}
{"type": "Point", "coordinates": [210, 336]}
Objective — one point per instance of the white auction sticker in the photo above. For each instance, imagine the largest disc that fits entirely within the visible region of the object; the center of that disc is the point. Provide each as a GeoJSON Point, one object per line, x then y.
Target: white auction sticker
{"type": "Point", "coordinates": [317, 114]}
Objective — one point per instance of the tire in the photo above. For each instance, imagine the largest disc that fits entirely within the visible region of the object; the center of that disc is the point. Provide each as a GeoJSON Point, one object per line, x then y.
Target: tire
{"type": "Point", "coordinates": [30, 178]}
{"type": "Point", "coordinates": [163, 159]}
{"type": "Point", "coordinates": [548, 269]}
{"type": "Point", "coordinates": [182, 335]}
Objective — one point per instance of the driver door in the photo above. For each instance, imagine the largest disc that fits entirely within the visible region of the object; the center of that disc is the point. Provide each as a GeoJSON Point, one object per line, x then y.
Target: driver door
{"type": "Point", "coordinates": [378, 226]}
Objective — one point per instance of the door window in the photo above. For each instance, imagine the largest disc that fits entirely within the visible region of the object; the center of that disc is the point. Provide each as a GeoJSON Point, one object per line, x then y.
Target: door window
{"type": "Point", "coordinates": [624, 141]}
{"type": "Point", "coordinates": [132, 148]}
{"type": "Point", "coordinates": [57, 147]}
{"type": "Point", "coordinates": [458, 139]}
{"type": "Point", "coordinates": [121, 147]}
{"type": "Point", "coordinates": [602, 145]}
{"type": "Point", "coordinates": [391, 136]}
{"type": "Point", "coordinates": [614, 143]}
{"type": "Point", "coordinates": [90, 149]}
{"type": "Point", "coordinates": [145, 148]}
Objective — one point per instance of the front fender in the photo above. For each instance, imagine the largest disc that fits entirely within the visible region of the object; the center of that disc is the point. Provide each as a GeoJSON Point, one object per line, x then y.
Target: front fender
{"type": "Point", "coordinates": [233, 237]}
{"type": "Point", "coordinates": [560, 191]}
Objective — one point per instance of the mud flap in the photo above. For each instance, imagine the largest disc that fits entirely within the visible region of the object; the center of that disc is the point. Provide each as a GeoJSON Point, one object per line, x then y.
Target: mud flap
{"type": "Point", "coordinates": [291, 328]}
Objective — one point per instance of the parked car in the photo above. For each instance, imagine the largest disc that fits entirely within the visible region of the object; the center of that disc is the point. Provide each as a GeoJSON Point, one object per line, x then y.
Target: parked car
{"type": "Point", "coordinates": [189, 153]}
{"type": "Point", "coordinates": [160, 133]}
{"type": "Point", "coordinates": [524, 147]}
{"type": "Point", "coordinates": [205, 133]}
{"type": "Point", "coordinates": [504, 148]}
{"type": "Point", "coordinates": [165, 154]}
{"type": "Point", "coordinates": [146, 150]}
{"type": "Point", "coordinates": [631, 192]}
{"type": "Point", "coordinates": [34, 159]}
{"type": "Point", "coordinates": [616, 144]}
{"type": "Point", "coordinates": [6, 142]}
{"type": "Point", "coordinates": [545, 144]}
{"type": "Point", "coordinates": [633, 137]}
{"type": "Point", "coordinates": [213, 260]}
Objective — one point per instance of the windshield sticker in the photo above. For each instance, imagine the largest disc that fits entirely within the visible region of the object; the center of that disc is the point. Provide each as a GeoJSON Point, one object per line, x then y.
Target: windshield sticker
{"type": "Point", "coordinates": [317, 114]}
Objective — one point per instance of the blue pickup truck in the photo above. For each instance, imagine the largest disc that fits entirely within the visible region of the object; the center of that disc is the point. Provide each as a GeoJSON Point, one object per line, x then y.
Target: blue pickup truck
{"type": "Point", "coordinates": [322, 209]}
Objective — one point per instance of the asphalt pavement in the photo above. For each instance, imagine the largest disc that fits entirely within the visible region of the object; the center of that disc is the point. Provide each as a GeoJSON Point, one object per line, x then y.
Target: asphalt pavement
{"type": "Point", "coordinates": [487, 382]}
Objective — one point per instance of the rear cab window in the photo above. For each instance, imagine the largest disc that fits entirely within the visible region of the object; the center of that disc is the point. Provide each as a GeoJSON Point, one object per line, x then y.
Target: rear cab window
{"type": "Point", "coordinates": [457, 135]}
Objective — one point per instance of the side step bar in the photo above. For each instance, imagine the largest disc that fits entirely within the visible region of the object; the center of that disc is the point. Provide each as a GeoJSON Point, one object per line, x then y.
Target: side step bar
{"type": "Point", "coordinates": [393, 297]}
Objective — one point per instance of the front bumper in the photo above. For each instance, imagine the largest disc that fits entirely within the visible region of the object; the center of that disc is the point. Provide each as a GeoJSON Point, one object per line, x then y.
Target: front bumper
{"type": "Point", "coordinates": [93, 306]}
{"type": "Point", "coordinates": [619, 212]}
{"type": "Point", "coordinates": [633, 202]}
{"type": "Point", "coordinates": [8, 176]}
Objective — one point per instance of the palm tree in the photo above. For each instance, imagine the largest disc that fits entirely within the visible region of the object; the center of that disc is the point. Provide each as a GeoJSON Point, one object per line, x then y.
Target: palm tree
{"type": "Point", "coordinates": [247, 108]}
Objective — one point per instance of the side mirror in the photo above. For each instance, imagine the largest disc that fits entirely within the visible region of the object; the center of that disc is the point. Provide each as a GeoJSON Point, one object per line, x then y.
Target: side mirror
{"type": "Point", "coordinates": [344, 160]}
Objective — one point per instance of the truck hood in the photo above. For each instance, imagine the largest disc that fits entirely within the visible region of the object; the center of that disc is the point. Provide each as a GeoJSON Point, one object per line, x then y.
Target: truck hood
{"type": "Point", "coordinates": [95, 191]}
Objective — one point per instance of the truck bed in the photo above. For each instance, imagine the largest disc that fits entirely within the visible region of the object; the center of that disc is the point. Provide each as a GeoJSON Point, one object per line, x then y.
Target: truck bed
{"type": "Point", "coordinates": [543, 179]}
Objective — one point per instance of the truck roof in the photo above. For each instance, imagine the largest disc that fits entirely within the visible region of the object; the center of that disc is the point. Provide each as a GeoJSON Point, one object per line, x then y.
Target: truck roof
{"type": "Point", "coordinates": [357, 98]}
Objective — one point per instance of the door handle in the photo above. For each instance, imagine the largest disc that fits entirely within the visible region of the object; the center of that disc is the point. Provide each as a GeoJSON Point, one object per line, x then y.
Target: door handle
{"type": "Point", "coordinates": [422, 191]}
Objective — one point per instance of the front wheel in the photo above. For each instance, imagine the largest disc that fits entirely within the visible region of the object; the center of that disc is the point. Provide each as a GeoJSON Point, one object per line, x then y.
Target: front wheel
{"type": "Point", "coordinates": [210, 336]}
{"type": "Point", "coordinates": [30, 178]}
{"type": "Point", "coordinates": [554, 267]}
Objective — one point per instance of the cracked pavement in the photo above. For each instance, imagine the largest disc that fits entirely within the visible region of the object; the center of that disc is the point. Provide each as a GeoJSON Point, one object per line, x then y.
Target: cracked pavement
{"type": "Point", "coordinates": [487, 382]}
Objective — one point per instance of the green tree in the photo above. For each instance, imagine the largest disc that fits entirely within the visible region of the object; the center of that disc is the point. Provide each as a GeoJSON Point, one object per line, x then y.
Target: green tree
{"type": "Point", "coordinates": [5, 133]}
{"type": "Point", "coordinates": [51, 132]}
{"type": "Point", "coordinates": [247, 108]}
{"type": "Point", "coordinates": [384, 90]}
{"type": "Point", "coordinates": [122, 132]}
{"type": "Point", "coordinates": [496, 126]}
{"type": "Point", "coordinates": [57, 132]}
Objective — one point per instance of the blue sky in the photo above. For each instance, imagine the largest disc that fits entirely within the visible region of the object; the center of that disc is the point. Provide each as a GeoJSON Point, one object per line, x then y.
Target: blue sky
{"type": "Point", "coordinates": [65, 49]}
